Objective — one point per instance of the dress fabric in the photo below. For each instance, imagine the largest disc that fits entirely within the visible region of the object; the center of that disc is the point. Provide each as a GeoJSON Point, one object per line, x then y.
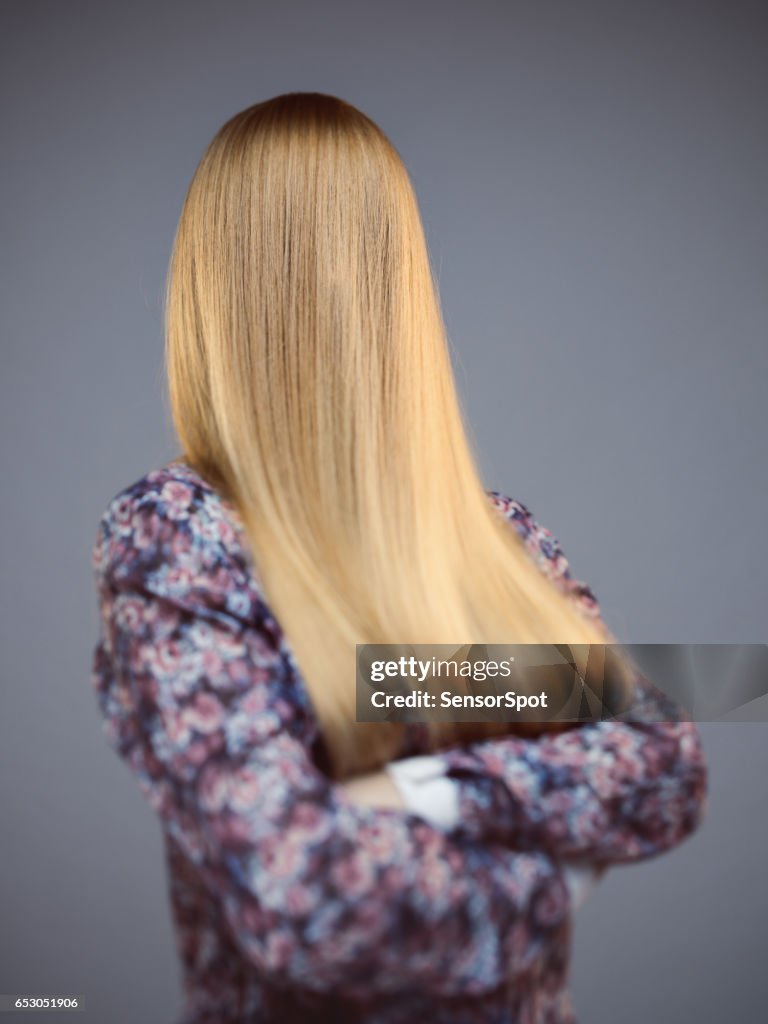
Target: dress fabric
{"type": "Point", "coordinates": [291, 903]}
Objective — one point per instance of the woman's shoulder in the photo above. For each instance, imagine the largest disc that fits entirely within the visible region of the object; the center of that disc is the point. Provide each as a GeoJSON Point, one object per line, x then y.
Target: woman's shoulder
{"type": "Point", "coordinates": [514, 510]}
{"type": "Point", "coordinates": [175, 495]}
{"type": "Point", "coordinates": [537, 537]}
{"type": "Point", "coordinates": [174, 489]}
{"type": "Point", "coordinates": [545, 549]}
{"type": "Point", "coordinates": [172, 525]}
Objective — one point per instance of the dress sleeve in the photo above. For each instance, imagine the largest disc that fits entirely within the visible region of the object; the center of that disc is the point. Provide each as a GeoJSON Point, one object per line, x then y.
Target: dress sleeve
{"type": "Point", "coordinates": [198, 698]}
{"type": "Point", "coordinates": [611, 791]}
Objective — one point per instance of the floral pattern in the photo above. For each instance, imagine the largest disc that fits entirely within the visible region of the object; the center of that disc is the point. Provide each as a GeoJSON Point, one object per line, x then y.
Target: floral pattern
{"type": "Point", "coordinates": [290, 902]}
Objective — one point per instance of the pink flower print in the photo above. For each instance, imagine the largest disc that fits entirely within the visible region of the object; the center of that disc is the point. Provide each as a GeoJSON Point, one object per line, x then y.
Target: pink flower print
{"type": "Point", "coordinates": [282, 857]}
{"type": "Point", "coordinates": [129, 613]}
{"type": "Point", "coordinates": [121, 518]}
{"type": "Point", "coordinates": [308, 822]}
{"type": "Point", "coordinates": [230, 646]}
{"type": "Point", "coordinates": [177, 728]}
{"type": "Point", "coordinates": [292, 773]}
{"type": "Point", "coordinates": [181, 544]}
{"type": "Point", "coordinates": [215, 790]}
{"type": "Point", "coordinates": [177, 497]}
{"type": "Point", "coordinates": [570, 751]}
{"type": "Point", "coordinates": [198, 751]}
{"type": "Point", "coordinates": [247, 790]}
{"type": "Point", "coordinates": [602, 779]}
{"type": "Point", "coordinates": [238, 671]}
{"type": "Point", "coordinates": [238, 603]}
{"type": "Point", "coordinates": [220, 579]}
{"type": "Point", "coordinates": [352, 874]}
{"type": "Point", "coordinates": [377, 842]}
{"type": "Point", "coordinates": [150, 688]}
{"type": "Point", "coordinates": [582, 824]}
{"type": "Point", "coordinates": [165, 616]}
{"type": "Point", "coordinates": [301, 899]}
{"type": "Point", "coordinates": [212, 663]}
{"type": "Point", "coordinates": [256, 702]}
{"type": "Point", "coordinates": [164, 658]}
{"type": "Point", "coordinates": [232, 831]}
{"type": "Point", "coordinates": [178, 578]}
{"type": "Point", "coordinates": [204, 714]}
{"type": "Point", "coordinates": [550, 906]}
{"type": "Point", "coordinates": [226, 533]}
{"type": "Point", "coordinates": [278, 950]}
{"type": "Point", "coordinates": [208, 530]}
{"type": "Point", "coordinates": [252, 916]}
{"type": "Point", "coordinates": [436, 879]}
{"type": "Point", "coordinates": [145, 531]}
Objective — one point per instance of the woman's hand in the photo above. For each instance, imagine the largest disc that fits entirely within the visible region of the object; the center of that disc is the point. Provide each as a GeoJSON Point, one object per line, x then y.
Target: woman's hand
{"type": "Point", "coordinates": [375, 789]}
{"type": "Point", "coordinates": [417, 785]}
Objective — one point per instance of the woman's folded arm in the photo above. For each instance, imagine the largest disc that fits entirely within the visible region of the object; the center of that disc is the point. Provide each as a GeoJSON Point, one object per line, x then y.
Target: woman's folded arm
{"type": "Point", "coordinates": [614, 792]}
{"type": "Point", "coordinates": [200, 703]}
{"type": "Point", "coordinates": [610, 791]}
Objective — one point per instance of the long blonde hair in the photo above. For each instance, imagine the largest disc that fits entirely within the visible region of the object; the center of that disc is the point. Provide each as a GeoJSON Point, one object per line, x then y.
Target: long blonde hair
{"type": "Point", "coordinates": [310, 380]}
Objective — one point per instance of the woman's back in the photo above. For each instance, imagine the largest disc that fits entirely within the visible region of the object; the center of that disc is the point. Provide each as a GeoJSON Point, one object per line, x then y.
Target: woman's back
{"type": "Point", "coordinates": [290, 902]}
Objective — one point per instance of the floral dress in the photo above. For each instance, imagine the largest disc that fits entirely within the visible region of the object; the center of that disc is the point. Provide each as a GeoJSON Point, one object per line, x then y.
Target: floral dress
{"type": "Point", "coordinates": [291, 903]}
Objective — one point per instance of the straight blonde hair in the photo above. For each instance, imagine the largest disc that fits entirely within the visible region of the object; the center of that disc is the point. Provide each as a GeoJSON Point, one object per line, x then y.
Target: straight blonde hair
{"type": "Point", "coordinates": [310, 380]}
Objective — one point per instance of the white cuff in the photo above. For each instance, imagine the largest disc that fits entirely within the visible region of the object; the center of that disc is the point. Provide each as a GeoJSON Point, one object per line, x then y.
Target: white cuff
{"type": "Point", "coordinates": [581, 879]}
{"type": "Point", "coordinates": [426, 789]}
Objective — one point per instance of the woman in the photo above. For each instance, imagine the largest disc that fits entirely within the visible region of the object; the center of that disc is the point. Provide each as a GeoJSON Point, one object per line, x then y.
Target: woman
{"type": "Point", "coordinates": [327, 496]}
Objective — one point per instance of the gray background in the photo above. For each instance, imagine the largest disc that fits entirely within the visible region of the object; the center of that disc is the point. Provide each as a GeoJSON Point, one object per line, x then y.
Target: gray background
{"type": "Point", "coordinates": [592, 179]}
